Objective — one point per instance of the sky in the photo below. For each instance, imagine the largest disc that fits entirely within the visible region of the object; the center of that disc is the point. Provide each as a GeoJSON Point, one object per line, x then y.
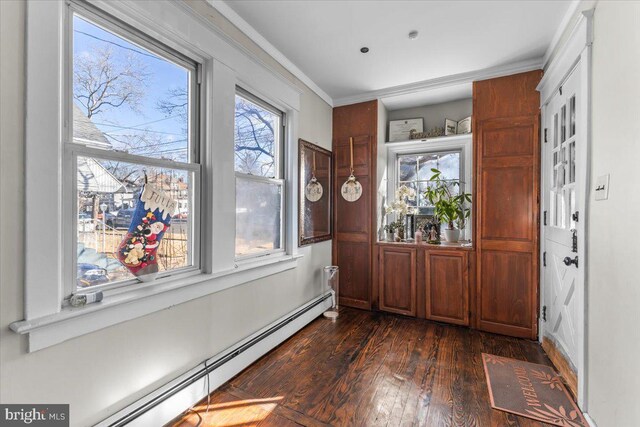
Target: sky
{"type": "Point", "coordinates": [164, 76]}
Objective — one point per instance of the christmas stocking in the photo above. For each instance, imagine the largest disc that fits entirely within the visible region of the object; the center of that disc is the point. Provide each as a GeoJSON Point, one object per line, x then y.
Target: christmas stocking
{"type": "Point", "coordinates": [151, 218]}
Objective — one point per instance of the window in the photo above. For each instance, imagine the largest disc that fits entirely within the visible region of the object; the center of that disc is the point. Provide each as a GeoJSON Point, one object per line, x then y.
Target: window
{"type": "Point", "coordinates": [133, 104]}
{"type": "Point", "coordinates": [414, 171]}
{"type": "Point", "coordinates": [164, 114]}
{"type": "Point", "coordinates": [258, 143]}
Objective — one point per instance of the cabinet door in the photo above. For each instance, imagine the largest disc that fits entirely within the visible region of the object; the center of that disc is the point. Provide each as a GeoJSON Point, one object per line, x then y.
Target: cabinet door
{"type": "Point", "coordinates": [353, 259]}
{"type": "Point", "coordinates": [398, 280]}
{"type": "Point", "coordinates": [447, 286]}
{"type": "Point", "coordinates": [507, 143]}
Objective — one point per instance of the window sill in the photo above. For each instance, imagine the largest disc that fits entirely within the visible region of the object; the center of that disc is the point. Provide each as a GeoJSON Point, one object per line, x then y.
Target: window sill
{"type": "Point", "coordinates": [121, 305]}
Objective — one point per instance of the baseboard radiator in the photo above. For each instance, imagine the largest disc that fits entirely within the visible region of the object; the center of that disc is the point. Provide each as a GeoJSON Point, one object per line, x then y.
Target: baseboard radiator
{"type": "Point", "coordinates": [166, 403]}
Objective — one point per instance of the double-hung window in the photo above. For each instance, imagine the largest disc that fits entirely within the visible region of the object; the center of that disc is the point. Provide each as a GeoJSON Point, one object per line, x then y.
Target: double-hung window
{"type": "Point", "coordinates": [260, 184]}
{"type": "Point", "coordinates": [133, 107]}
{"type": "Point", "coordinates": [415, 170]}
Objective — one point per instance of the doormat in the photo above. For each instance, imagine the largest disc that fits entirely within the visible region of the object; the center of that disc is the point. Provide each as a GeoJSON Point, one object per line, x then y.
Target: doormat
{"type": "Point", "coordinates": [530, 390]}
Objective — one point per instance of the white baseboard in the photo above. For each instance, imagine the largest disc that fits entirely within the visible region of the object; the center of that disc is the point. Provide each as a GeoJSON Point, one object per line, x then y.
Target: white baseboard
{"type": "Point", "coordinates": [589, 420]}
{"type": "Point", "coordinates": [171, 407]}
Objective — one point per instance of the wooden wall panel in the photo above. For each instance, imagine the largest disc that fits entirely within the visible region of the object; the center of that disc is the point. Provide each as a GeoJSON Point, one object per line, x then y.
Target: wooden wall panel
{"type": "Point", "coordinates": [507, 152]}
{"type": "Point", "coordinates": [508, 207]}
{"type": "Point", "coordinates": [353, 260]}
{"type": "Point", "coordinates": [507, 300]}
{"type": "Point", "coordinates": [354, 226]}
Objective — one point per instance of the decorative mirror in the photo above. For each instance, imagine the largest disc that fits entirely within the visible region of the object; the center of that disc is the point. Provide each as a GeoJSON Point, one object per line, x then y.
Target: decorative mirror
{"type": "Point", "coordinates": [315, 193]}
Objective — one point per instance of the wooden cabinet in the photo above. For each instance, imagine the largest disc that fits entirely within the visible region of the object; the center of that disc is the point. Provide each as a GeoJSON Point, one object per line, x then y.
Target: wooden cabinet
{"type": "Point", "coordinates": [423, 281]}
{"type": "Point", "coordinates": [447, 286]}
{"type": "Point", "coordinates": [507, 151]}
{"type": "Point", "coordinates": [354, 226]}
{"type": "Point", "coordinates": [397, 280]}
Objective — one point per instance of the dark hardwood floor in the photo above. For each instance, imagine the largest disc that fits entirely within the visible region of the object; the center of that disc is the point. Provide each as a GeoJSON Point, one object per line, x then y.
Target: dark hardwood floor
{"type": "Point", "coordinates": [368, 369]}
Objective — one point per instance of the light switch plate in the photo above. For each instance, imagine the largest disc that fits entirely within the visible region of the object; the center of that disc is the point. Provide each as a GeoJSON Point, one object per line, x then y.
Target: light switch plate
{"type": "Point", "coordinates": [602, 187]}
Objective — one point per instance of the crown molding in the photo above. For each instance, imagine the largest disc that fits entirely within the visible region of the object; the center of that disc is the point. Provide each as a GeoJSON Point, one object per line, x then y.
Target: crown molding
{"type": "Point", "coordinates": [265, 45]}
{"type": "Point", "coordinates": [570, 21]}
{"type": "Point", "coordinates": [441, 82]}
{"type": "Point", "coordinates": [566, 19]}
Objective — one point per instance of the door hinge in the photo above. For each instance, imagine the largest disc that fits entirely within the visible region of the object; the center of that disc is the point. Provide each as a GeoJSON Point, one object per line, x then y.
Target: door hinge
{"type": "Point", "coordinates": [545, 135]}
{"type": "Point", "coordinates": [544, 259]}
{"type": "Point", "coordinates": [544, 216]}
{"type": "Point", "coordinates": [575, 216]}
{"type": "Point", "coordinates": [544, 313]}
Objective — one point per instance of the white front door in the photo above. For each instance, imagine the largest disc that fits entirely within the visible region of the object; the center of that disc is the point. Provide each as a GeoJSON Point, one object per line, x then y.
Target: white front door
{"type": "Point", "coordinates": [563, 184]}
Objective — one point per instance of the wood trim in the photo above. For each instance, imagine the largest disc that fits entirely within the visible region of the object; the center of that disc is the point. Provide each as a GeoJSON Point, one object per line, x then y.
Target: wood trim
{"type": "Point", "coordinates": [562, 365]}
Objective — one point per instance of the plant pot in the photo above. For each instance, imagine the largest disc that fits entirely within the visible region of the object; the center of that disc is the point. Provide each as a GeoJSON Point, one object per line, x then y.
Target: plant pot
{"type": "Point", "coordinates": [451, 235]}
{"type": "Point", "coordinates": [389, 236]}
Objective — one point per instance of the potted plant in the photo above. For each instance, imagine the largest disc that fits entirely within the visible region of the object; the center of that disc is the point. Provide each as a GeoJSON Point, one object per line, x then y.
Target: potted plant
{"type": "Point", "coordinates": [449, 208]}
{"type": "Point", "coordinates": [389, 230]}
{"type": "Point", "coordinates": [400, 207]}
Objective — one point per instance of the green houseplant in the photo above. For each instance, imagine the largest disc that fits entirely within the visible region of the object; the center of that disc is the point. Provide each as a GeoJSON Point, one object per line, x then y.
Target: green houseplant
{"type": "Point", "coordinates": [449, 208]}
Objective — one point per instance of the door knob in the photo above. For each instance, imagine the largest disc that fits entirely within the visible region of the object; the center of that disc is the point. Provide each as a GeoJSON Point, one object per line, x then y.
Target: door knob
{"type": "Point", "coordinates": [568, 261]}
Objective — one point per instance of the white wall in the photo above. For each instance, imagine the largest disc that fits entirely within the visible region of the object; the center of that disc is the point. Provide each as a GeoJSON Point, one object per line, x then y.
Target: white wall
{"type": "Point", "coordinates": [614, 283]}
{"type": "Point", "coordinates": [102, 372]}
{"type": "Point", "coordinates": [434, 115]}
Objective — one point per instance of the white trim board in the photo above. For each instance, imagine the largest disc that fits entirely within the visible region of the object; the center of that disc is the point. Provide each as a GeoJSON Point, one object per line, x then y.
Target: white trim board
{"type": "Point", "coordinates": [442, 82]}
{"type": "Point", "coordinates": [168, 409]}
{"type": "Point", "coordinates": [265, 45]}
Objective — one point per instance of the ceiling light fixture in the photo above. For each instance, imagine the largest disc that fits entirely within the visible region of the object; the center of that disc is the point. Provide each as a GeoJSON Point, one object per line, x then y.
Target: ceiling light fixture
{"type": "Point", "coordinates": [364, 49]}
{"type": "Point", "coordinates": [413, 35]}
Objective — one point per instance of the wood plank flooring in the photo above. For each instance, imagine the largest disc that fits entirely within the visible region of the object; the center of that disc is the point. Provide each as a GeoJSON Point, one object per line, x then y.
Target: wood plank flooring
{"type": "Point", "coordinates": [368, 369]}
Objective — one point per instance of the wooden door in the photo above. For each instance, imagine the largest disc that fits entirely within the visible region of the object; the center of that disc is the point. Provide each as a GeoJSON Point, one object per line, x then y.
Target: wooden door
{"type": "Point", "coordinates": [506, 134]}
{"type": "Point", "coordinates": [397, 280]}
{"type": "Point", "coordinates": [447, 286]}
{"type": "Point", "coordinates": [354, 229]}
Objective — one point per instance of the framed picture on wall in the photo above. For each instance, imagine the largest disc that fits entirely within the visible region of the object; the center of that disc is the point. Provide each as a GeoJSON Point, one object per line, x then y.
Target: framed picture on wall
{"type": "Point", "coordinates": [315, 193]}
{"type": "Point", "coordinates": [400, 130]}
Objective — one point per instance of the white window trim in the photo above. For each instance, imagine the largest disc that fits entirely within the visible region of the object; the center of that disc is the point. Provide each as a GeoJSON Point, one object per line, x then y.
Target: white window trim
{"type": "Point", "coordinates": [462, 143]}
{"type": "Point", "coordinates": [225, 65]}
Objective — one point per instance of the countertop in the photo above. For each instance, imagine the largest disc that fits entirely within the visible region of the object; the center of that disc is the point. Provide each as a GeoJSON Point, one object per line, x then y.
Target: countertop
{"type": "Point", "coordinates": [468, 246]}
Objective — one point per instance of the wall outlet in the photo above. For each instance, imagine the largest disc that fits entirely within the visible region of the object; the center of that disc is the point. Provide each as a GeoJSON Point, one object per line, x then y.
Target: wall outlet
{"type": "Point", "coordinates": [602, 187]}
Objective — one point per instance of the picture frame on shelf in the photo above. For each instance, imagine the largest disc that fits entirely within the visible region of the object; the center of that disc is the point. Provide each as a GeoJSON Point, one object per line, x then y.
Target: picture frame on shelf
{"type": "Point", "coordinates": [464, 126]}
{"type": "Point", "coordinates": [450, 127]}
{"type": "Point", "coordinates": [400, 130]}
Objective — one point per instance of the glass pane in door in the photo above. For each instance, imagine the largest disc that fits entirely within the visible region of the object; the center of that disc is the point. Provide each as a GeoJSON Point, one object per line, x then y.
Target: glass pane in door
{"type": "Point", "coordinates": [563, 123]}
{"type": "Point", "coordinates": [572, 116]}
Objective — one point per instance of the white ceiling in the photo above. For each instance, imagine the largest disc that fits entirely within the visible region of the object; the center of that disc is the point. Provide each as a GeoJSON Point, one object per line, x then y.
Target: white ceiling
{"type": "Point", "coordinates": [323, 38]}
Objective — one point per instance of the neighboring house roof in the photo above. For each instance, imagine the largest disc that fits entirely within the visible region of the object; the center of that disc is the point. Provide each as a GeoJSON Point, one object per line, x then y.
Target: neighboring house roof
{"type": "Point", "coordinates": [92, 176]}
{"type": "Point", "coordinates": [84, 131]}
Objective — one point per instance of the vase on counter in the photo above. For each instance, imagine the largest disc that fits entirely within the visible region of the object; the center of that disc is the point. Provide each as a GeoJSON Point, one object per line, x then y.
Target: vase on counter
{"type": "Point", "coordinates": [418, 236]}
{"type": "Point", "coordinates": [452, 235]}
{"type": "Point", "coordinates": [389, 236]}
